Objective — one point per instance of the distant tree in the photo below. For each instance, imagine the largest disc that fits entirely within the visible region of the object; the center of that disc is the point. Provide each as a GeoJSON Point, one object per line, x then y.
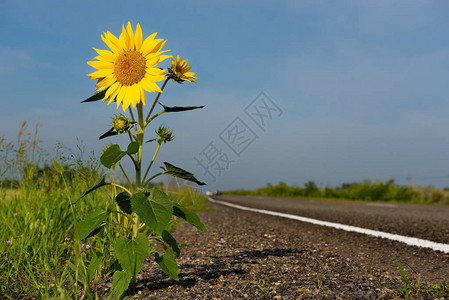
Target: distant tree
{"type": "Point", "coordinates": [311, 190]}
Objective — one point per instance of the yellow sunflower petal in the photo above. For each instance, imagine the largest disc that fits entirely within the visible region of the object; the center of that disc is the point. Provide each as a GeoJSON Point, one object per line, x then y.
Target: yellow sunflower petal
{"type": "Point", "coordinates": [121, 95]}
{"type": "Point", "coordinates": [129, 29]}
{"type": "Point", "coordinates": [163, 57]}
{"type": "Point", "coordinates": [106, 82]}
{"type": "Point", "coordinates": [133, 94]}
{"type": "Point", "coordinates": [125, 106]}
{"type": "Point", "coordinates": [106, 54]}
{"type": "Point", "coordinates": [114, 93]}
{"type": "Point", "coordinates": [155, 78]}
{"type": "Point", "coordinates": [155, 72]}
{"type": "Point", "coordinates": [109, 43]}
{"type": "Point", "coordinates": [138, 37]}
{"type": "Point", "coordinates": [100, 73]}
{"type": "Point", "coordinates": [159, 46]}
{"type": "Point", "coordinates": [115, 41]}
{"type": "Point", "coordinates": [111, 91]}
{"type": "Point", "coordinates": [142, 94]}
{"type": "Point", "coordinates": [126, 102]}
{"type": "Point", "coordinates": [151, 63]}
{"type": "Point", "coordinates": [101, 64]}
{"type": "Point", "coordinates": [150, 86]}
{"type": "Point", "coordinates": [148, 44]}
{"type": "Point", "coordinates": [124, 38]}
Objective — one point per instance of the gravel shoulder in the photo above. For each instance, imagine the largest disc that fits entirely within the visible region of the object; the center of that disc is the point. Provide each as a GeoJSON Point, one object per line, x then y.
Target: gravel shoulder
{"type": "Point", "coordinates": [246, 255]}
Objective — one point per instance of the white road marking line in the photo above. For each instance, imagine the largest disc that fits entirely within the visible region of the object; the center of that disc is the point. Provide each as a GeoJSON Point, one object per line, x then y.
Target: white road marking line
{"type": "Point", "coordinates": [381, 204]}
{"type": "Point", "coordinates": [395, 237]}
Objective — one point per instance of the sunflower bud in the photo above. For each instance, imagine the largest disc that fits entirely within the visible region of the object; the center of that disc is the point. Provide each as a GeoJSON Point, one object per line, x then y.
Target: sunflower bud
{"type": "Point", "coordinates": [164, 134]}
{"type": "Point", "coordinates": [106, 146]}
{"type": "Point", "coordinates": [120, 124]}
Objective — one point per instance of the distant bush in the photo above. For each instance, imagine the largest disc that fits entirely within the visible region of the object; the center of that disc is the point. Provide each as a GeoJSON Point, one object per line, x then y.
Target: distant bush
{"type": "Point", "coordinates": [365, 191]}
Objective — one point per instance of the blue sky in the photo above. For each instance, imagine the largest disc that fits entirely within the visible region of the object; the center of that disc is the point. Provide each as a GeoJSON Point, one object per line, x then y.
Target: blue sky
{"type": "Point", "coordinates": [362, 85]}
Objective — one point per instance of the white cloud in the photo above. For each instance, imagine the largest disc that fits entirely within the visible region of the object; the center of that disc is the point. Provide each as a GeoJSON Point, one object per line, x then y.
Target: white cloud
{"type": "Point", "coordinates": [14, 59]}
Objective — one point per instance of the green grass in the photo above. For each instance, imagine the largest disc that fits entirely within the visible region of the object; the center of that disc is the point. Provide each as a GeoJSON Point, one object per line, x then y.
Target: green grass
{"type": "Point", "coordinates": [39, 257]}
{"type": "Point", "coordinates": [417, 288]}
{"type": "Point", "coordinates": [36, 238]}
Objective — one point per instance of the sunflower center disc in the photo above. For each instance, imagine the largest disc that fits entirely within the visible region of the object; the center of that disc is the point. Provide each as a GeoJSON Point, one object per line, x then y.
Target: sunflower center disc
{"type": "Point", "coordinates": [129, 68]}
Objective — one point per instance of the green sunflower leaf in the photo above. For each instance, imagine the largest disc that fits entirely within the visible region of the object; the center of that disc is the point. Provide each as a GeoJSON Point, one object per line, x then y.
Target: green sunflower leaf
{"type": "Point", "coordinates": [133, 148]}
{"type": "Point", "coordinates": [110, 132]}
{"type": "Point", "coordinates": [99, 184]}
{"type": "Point", "coordinates": [131, 253]}
{"type": "Point", "coordinates": [91, 223]}
{"type": "Point", "coordinates": [111, 156]}
{"type": "Point", "coordinates": [170, 241]}
{"type": "Point", "coordinates": [179, 108]}
{"type": "Point", "coordinates": [189, 216]}
{"type": "Point", "coordinates": [167, 264]}
{"type": "Point", "coordinates": [120, 283]}
{"type": "Point", "coordinates": [178, 172]}
{"type": "Point", "coordinates": [155, 212]}
{"type": "Point", "coordinates": [124, 202]}
{"type": "Point", "coordinates": [95, 97]}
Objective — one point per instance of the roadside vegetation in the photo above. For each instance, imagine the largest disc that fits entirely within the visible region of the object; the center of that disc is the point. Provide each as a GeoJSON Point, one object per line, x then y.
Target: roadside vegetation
{"type": "Point", "coordinates": [38, 252]}
{"type": "Point", "coordinates": [363, 191]}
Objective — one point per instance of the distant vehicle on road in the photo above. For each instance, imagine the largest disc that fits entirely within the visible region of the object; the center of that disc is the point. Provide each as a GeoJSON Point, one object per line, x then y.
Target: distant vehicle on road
{"type": "Point", "coordinates": [216, 193]}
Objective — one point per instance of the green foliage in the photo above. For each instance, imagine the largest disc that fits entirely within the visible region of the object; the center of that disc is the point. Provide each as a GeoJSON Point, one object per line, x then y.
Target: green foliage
{"type": "Point", "coordinates": [131, 253]}
{"type": "Point", "coordinates": [99, 184]}
{"type": "Point", "coordinates": [170, 241]}
{"type": "Point", "coordinates": [96, 97]}
{"type": "Point", "coordinates": [124, 202]}
{"type": "Point", "coordinates": [189, 216]}
{"type": "Point", "coordinates": [363, 191]}
{"type": "Point", "coordinates": [167, 264]}
{"type": "Point", "coordinates": [112, 155]}
{"type": "Point", "coordinates": [93, 220]}
{"type": "Point", "coordinates": [155, 212]}
{"type": "Point", "coordinates": [120, 283]}
{"type": "Point", "coordinates": [418, 288]}
{"type": "Point", "coordinates": [45, 258]}
{"type": "Point", "coordinates": [178, 172]}
{"type": "Point", "coordinates": [179, 108]}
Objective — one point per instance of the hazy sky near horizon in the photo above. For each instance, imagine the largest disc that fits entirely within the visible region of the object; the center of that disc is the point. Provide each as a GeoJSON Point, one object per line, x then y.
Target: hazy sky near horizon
{"type": "Point", "coordinates": [360, 87]}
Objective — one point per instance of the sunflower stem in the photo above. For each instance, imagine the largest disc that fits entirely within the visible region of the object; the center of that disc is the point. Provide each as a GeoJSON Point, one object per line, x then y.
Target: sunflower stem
{"type": "Point", "coordinates": [134, 120]}
{"type": "Point", "coordinates": [155, 101]}
{"type": "Point", "coordinates": [122, 187]}
{"type": "Point", "coordinates": [151, 178]}
{"type": "Point", "coordinates": [138, 163]}
{"type": "Point", "coordinates": [152, 160]}
{"type": "Point", "coordinates": [124, 173]}
{"type": "Point", "coordinates": [154, 117]}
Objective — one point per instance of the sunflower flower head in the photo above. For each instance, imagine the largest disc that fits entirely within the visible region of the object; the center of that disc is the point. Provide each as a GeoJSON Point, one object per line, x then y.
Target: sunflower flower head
{"type": "Point", "coordinates": [179, 71]}
{"type": "Point", "coordinates": [128, 69]}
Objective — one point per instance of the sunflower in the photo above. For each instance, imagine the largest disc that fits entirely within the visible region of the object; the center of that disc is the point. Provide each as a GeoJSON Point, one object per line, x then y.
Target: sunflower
{"type": "Point", "coordinates": [129, 69]}
{"type": "Point", "coordinates": [179, 71]}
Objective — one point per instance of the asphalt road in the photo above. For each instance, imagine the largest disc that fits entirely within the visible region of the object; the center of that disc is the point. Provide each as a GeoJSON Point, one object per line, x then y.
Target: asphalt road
{"type": "Point", "coordinates": [428, 222]}
{"type": "Point", "coordinates": [249, 255]}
